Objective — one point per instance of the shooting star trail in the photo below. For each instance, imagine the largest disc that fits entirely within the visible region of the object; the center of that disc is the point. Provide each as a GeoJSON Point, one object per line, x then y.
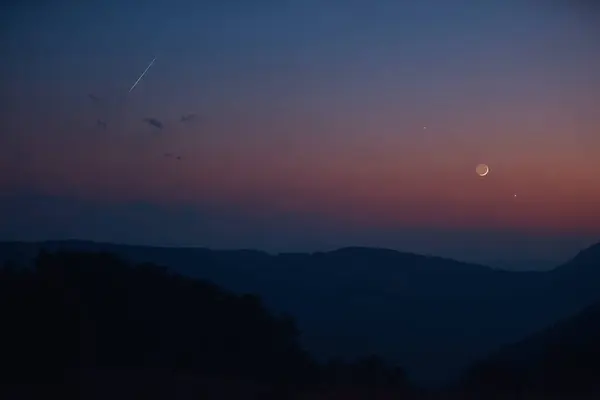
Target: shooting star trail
{"type": "Point", "coordinates": [142, 75]}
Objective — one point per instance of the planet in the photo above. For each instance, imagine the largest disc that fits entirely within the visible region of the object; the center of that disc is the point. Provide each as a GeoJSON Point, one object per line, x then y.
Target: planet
{"type": "Point", "coordinates": [482, 169]}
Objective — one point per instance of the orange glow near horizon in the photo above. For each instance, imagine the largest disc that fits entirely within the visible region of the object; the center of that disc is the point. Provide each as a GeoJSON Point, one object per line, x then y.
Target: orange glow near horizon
{"type": "Point", "coordinates": [401, 186]}
{"type": "Point", "coordinates": [326, 123]}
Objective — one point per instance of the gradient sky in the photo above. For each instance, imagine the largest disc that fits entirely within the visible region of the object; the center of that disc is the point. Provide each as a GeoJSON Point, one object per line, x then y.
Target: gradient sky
{"type": "Point", "coordinates": [310, 125]}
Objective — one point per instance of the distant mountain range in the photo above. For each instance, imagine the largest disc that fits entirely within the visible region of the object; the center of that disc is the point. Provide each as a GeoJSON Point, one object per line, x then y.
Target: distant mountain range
{"type": "Point", "coordinates": [433, 316]}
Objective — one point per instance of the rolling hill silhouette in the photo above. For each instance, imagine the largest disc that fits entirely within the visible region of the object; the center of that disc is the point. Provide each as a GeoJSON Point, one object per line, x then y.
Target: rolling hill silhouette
{"type": "Point", "coordinates": [561, 360]}
{"type": "Point", "coordinates": [435, 316]}
{"type": "Point", "coordinates": [90, 325]}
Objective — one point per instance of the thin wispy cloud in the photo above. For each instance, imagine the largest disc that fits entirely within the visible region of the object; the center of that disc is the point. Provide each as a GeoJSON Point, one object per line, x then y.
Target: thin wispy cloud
{"type": "Point", "coordinates": [188, 117]}
{"type": "Point", "coordinates": [94, 98]}
{"type": "Point", "coordinates": [154, 122]}
{"type": "Point", "coordinates": [171, 155]}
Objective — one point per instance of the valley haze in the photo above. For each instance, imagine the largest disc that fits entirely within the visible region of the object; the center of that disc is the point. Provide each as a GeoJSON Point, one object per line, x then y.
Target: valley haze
{"type": "Point", "coordinates": [34, 217]}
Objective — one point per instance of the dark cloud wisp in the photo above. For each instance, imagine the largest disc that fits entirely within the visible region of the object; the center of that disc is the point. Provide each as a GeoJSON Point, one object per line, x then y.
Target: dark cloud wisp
{"type": "Point", "coordinates": [188, 117]}
{"type": "Point", "coordinates": [154, 122]}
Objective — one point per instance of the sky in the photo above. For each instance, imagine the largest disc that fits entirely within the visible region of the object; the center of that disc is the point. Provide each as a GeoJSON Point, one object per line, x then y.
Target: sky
{"type": "Point", "coordinates": [317, 124]}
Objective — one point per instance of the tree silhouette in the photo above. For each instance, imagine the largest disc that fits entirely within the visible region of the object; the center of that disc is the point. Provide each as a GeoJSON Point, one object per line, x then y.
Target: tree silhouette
{"type": "Point", "coordinates": [75, 312]}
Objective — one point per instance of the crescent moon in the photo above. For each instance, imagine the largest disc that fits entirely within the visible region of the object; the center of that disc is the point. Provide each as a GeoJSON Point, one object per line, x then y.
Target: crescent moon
{"type": "Point", "coordinates": [482, 170]}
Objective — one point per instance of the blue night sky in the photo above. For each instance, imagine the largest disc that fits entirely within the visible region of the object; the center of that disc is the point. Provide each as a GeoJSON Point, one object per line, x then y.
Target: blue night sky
{"type": "Point", "coordinates": [316, 124]}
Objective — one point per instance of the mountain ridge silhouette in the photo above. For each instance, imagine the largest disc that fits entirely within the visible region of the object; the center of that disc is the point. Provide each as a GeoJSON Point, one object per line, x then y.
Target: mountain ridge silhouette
{"type": "Point", "coordinates": [592, 251]}
{"type": "Point", "coordinates": [562, 359]}
{"type": "Point", "coordinates": [434, 315]}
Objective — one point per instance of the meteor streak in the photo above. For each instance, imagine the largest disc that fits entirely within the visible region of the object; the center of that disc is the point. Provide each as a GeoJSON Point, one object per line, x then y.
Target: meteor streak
{"type": "Point", "coordinates": [142, 75]}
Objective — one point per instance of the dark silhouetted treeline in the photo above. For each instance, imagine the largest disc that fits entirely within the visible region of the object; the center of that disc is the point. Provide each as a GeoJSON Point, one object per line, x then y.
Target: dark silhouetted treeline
{"type": "Point", "coordinates": [80, 322]}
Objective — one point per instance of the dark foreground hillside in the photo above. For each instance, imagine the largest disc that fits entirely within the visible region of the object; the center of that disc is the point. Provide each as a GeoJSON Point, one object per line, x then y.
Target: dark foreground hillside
{"type": "Point", "coordinates": [92, 326]}
{"type": "Point", "coordinates": [89, 325]}
{"type": "Point", "coordinates": [431, 315]}
{"type": "Point", "coordinates": [562, 361]}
